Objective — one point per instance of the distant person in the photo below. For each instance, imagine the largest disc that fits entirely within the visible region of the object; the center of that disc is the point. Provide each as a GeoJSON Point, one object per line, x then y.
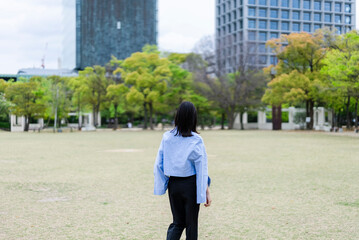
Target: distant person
{"type": "Point", "coordinates": [129, 125]}
{"type": "Point", "coordinates": [181, 166]}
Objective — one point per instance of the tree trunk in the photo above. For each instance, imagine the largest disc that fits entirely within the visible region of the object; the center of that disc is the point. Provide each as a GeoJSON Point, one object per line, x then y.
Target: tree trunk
{"type": "Point", "coordinates": [356, 113]}
{"type": "Point", "coordinates": [222, 121]}
{"type": "Point", "coordinates": [116, 118]}
{"type": "Point", "coordinates": [145, 112]}
{"type": "Point", "coordinates": [27, 123]}
{"type": "Point", "coordinates": [348, 114]}
{"type": "Point", "coordinates": [277, 117]}
{"type": "Point", "coordinates": [151, 113]}
{"type": "Point", "coordinates": [311, 114]}
{"type": "Point", "coordinates": [230, 117]}
{"type": "Point", "coordinates": [94, 115]}
{"type": "Point", "coordinates": [307, 114]}
{"type": "Point", "coordinates": [78, 112]}
{"type": "Point", "coordinates": [241, 120]}
{"type": "Point", "coordinates": [333, 119]}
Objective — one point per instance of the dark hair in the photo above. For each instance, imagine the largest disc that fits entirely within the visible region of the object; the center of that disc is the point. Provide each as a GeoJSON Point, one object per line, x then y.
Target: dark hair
{"type": "Point", "coordinates": [186, 120]}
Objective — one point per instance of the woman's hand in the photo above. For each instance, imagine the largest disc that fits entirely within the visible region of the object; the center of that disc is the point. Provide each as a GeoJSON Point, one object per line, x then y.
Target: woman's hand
{"type": "Point", "coordinates": [209, 199]}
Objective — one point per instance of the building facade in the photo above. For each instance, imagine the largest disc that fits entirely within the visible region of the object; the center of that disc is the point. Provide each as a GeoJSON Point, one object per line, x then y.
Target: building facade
{"type": "Point", "coordinates": [69, 34]}
{"type": "Point", "coordinates": [113, 27]}
{"type": "Point", "coordinates": [244, 26]}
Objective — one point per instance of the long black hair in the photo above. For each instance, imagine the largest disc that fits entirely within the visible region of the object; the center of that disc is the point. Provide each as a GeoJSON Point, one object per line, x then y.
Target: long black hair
{"type": "Point", "coordinates": [186, 120]}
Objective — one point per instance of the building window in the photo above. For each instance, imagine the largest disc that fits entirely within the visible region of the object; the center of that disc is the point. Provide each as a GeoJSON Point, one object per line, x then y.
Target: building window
{"type": "Point", "coordinates": [218, 21]}
{"type": "Point", "coordinates": [229, 17]}
{"type": "Point", "coordinates": [262, 24]}
{"type": "Point", "coordinates": [306, 16]}
{"type": "Point", "coordinates": [285, 14]}
{"type": "Point", "coordinates": [263, 12]}
{"type": "Point", "coordinates": [229, 28]}
{"type": "Point", "coordinates": [262, 2]}
{"type": "Point", "coordinates": [273, 60]}
{"type": "Point", "coordinates": [327, 17]}
{"type": "Point", "coordinates": [251, 35]}
{"type": "Point", "coordinates": [274, 13]}
{"type": "Point", "coordinates": [234, 27]}
{"type": "Point", "coordinates": [251, 11]}
{"type": "Point", "coordinates": [274, 25]}
{"type": "Point", "coordinates": [317, 26]}
{"type": "Point", "coordinates": [338, 7]}
{"type": "Point", "coordinates": [262, 36]}
{"type": "Point", "coordinates": [296, 3]}
{"type": "Point", "coordinates": [349, 29]}
{"type": "Point", "coordinates": [317, 17]}
{"type": "Point", "coordinates": [251, 1]}
{"type": "Point", "coordinates": [338, 19]}
{"type": "Point", "coordinates": [285, 26]}
{"type": "Point", "coordinates": [262, 59]}
{"type": "Point", "coordinates": [339, 29]}
{"type": "Point", "coordinates": [348, 19]}
{"type": "Point", "coordinates": [224, 19]}
{"type": "Point", "coordinates": [285, 3]}
{"type": "Point", "coordinates": [274, 3]}
{"type": "Point", "coordinates": [234, 15]}
{"type": "Point", "coordinates": [251, 23]}
{"type": "Point", "coordinates": [348, 8]}
{"type": "Point", "coordinates": [317, 5]}
{"type": "Point", "coordinates": [262, 48]}
{"type": "Point", "coordinates": [219, 32]}
{"type": "Point", "coordinates": [295, 15]}
{"type": "Point", "coordinates": [327, 6]}
{"type": "Point", "coordinates": [234, 3]}
{"type": "Point", "coordinates": [306, 4]}
{"type": "Point", "coordinates": [295, 27]}
{"type": "Point", "coordinates": [224, 8]}
{"type": "Point", "coordinates": [240, 24]}
{"type": "Point", "coordinates": [306, 27]}
{"type": "Point", "coordinates": [274, 35]}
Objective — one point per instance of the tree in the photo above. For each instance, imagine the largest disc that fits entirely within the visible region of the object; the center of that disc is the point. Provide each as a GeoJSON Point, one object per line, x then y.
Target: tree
{"type": "Point", "coordinates": [301, 54]}
{"type": "Point", "coordinates": [27, 100]}
{"type": "Point", "coordinates": [94, 88]}
{"type": "Point", "coordinates": [146, 74]}
{"type": "Point", "coordinates": [116, 95]}
{"type": "Point", "coordinates": [4, 103]}
{"type": "Point", "coordinates": [57, 97]}
{"type": "Point", "coordinates": [342, 68]}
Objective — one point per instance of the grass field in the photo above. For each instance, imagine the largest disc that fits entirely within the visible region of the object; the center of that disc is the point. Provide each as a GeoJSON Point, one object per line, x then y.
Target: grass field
{"type": "Point", "coordinates": [265, 185]}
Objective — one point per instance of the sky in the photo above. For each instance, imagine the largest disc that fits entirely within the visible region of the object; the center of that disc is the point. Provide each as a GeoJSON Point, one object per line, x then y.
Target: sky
{"type": "Point", "coordinates": [31, 29]}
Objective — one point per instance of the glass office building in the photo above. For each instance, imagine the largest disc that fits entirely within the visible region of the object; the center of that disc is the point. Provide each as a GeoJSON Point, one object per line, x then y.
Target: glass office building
{"type": "Point", "coordinates": [95, 30]}
{"type": "Point", "coordinates": [244, 26]}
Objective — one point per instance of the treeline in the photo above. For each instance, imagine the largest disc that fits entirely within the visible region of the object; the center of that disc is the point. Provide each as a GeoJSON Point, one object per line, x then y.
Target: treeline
{"type": "Point", "coordinates": [313, 70]}
{"type": "Point", "coordinates": [316, 70]}
{"type": "Point", "coordinates": [148, 85]}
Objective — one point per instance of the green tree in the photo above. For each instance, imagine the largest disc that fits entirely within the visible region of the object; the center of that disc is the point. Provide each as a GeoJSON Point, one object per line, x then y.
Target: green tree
{"type": "Point", "coordinates": [27, 100]}
{"type": "Point", "coordinates": [94, 88]}
{"type": "Point", "coordinates": [116, 96]}
{"type": "Point", "coordinates": [342, 68]}
{"type": "Point", "coordinates": [146, 74]}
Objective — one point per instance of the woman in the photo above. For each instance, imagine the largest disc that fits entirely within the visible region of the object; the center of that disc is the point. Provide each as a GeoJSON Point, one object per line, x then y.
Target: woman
{"type": "Point", "coordinates": [181, 166]}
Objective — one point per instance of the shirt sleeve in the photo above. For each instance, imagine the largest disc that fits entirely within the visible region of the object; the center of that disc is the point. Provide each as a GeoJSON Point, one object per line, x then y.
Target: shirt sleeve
{"type": "Point", "coordinates": [161, 180]}
{"type": "Point", "coordinates": [201, 166]}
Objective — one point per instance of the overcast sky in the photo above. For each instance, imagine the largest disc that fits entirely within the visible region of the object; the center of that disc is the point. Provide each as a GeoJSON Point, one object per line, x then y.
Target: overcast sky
{"type": "Point", "coordinates": [26, 27]}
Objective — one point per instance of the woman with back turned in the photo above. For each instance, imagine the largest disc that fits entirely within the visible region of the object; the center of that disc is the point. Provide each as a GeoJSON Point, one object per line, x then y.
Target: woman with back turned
{"type": "Point", "coordinates": [181, 166]}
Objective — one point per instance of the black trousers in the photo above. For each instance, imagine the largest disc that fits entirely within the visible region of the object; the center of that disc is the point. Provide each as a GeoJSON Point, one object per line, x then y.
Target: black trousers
{"type": "Point", "coordinates": [183, 200]}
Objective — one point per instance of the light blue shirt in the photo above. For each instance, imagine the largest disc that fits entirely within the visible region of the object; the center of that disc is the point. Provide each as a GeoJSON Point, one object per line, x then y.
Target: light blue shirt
{"type": "Point", "coordinates": [181, 157]}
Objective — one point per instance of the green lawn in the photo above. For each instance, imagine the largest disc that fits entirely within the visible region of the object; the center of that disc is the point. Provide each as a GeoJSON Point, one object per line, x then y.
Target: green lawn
{"type": "Point", "coordinates": [266, 185]}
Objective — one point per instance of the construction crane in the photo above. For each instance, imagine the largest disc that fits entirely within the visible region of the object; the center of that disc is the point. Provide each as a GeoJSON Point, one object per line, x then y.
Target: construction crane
{"type": "Point", "coordinates": [43, 57]}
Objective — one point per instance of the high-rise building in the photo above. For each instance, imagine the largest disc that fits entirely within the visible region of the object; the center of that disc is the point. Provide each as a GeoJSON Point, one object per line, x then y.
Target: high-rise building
{"type": "Point", "coordinates": [107, 27]}
{"type": "Point", "coordinates": [244, 26]}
